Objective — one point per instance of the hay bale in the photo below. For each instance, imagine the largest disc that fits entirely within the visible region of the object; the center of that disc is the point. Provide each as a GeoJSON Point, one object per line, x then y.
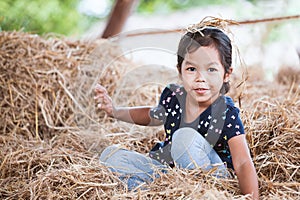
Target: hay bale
{"type": "Point", "coordinates": [52, 135]}
{"type": "Point", "coordinates": [289, 75]}
{"type": "Point", "coordinates": [45, 83]}
{"type": "Point", "coordinates": [272, 122]}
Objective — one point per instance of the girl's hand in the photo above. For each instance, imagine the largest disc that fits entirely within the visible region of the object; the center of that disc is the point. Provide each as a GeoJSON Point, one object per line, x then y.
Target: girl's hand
{"type": "Point", "coordinates": [136, 115]}
{"type": "Point", "coordinates": [103, 100]}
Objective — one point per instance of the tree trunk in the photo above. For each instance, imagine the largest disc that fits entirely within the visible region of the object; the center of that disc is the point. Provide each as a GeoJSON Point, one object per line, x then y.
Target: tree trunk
{"type": "Point", "coordinates": [118, 17]}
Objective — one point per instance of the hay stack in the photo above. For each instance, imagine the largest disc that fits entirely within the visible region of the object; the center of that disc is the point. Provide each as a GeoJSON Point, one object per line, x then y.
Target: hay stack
{"type": "Point", "coordinates": [51, 134]}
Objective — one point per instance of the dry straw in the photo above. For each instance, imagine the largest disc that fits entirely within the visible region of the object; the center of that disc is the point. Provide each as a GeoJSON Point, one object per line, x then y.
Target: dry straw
{"type": "Point", "coordinates": [51, 134]}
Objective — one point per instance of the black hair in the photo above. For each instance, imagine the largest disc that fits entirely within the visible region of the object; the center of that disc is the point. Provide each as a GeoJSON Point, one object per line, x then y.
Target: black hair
{"type": "Point", "coordinates": [209, 36]}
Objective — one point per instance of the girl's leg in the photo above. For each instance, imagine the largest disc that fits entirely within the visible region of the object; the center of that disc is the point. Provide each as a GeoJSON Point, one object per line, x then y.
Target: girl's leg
{"type": "Point", "coordinates": [190, 150]}
{"type": "Point", "coordinates": [134, 167]}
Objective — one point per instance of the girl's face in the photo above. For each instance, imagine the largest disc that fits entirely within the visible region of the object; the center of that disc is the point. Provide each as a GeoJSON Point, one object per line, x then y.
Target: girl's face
{"type": "Point", "coordinates": [203, 75]}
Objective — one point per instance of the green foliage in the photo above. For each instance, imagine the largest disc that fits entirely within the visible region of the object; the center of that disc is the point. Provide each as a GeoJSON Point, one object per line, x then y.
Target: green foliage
{"type": "Point", "coordinates": [158, 6]}
{"type": "Point", "coordinates": [40, 16]}
{"type": "Point", "coordinates": [63, 17]}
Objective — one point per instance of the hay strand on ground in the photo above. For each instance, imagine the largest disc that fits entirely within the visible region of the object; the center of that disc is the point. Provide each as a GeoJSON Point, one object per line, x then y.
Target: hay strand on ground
{"type": "Point", "coordinates": [51, 134]}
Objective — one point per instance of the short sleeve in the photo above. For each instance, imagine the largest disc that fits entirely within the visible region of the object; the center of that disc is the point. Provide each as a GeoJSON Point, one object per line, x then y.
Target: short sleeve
{"type": "Point", "coordinates": [233, 125]}
{"type": "Point", "coordinates": [170, 102]}
{"type": "Point", "coordinates": [159, 112]}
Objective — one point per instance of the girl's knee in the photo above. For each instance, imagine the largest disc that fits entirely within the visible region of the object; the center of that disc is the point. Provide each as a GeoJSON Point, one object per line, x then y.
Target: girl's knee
{"type": "Point", "coordinates": [190, 149]}
{"type": "Point", "coordinates": [189, 138]}
{"type": "Point", "coordinates": [183, 143]}
{"type": "Point", "coordinates": [108, 152]}
{"type": "Point", "coordinates": [184, 136]}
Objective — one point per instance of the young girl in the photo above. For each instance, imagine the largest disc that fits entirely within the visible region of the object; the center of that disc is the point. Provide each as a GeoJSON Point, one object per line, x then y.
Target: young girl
{"type": "Point", "coordinates": [203, 128]}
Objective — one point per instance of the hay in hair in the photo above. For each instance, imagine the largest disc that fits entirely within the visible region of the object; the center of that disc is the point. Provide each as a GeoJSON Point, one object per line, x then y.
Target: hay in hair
{"type": "Point", "coordinates": [51, 134]}
{"type": "Point", "coordinates": [223, 25]}
{"type": "Point", "coordinates": [211, 22]}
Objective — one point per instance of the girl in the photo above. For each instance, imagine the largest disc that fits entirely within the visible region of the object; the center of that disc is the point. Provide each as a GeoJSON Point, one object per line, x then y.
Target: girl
{"type": "Point", "coordinates": [203, 128]}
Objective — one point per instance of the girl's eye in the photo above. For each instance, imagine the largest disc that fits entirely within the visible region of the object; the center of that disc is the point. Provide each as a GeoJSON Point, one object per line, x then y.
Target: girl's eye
{"type": "Point", "coordinates": [212, 69]}
{"type": "Point", "coordinates": [192, 69]}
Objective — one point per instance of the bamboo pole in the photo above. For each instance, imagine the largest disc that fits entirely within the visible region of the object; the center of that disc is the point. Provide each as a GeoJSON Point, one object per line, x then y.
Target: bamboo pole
{"type": "Point", "coordinates": [238, 23]}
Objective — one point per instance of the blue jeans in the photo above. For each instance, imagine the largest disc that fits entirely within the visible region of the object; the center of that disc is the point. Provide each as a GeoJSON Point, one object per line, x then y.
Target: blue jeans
{"type": "Point", "coordinates": [133, 167]}
{"type": "Point", "coordinates": [189, 150]}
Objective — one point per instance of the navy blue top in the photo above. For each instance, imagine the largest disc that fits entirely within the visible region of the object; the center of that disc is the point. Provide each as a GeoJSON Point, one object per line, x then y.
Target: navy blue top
{"type": "Point", "coordinates": [217, 124]}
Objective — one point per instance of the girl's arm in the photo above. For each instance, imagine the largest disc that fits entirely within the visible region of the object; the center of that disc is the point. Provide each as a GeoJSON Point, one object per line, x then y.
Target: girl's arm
{"type": "Point", "coordinates": [243, 166]}
{"type": "Point", "coordinates": [136, 115]}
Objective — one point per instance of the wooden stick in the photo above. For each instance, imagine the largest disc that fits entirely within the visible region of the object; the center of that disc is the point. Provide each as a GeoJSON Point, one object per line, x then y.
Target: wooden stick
{"type": "Point", "coordinates": [238, 23]}
{"type": "Point", "coordinates": [118, 17]}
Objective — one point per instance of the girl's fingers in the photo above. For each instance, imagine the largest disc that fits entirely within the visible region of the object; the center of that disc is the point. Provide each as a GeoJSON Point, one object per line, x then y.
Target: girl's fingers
{"type": "Point", "coordinates": [105, 107]}
{"type": "Point", "coordinates": [106, 100]}
{"type": "Point", "coordinates": [100, 89]}
{"type": "Point", "coordinates": [98, 96]}
{"type": "Point", "coordinates": [103, 100]}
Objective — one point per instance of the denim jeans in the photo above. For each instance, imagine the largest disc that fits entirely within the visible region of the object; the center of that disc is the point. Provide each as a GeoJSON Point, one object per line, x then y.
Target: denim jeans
{"type": "Point", "coordinates": [133, 167]}
{"type": "Point", "coordinates": [189, 150]}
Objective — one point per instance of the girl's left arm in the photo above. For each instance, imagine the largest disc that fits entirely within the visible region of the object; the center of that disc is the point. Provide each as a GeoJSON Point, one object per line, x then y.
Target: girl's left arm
{"type": "Point", "coordinates": [243, 165]}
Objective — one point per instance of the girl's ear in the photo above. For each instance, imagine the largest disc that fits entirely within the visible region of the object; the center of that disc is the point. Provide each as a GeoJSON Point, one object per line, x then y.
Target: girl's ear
{"type": "Point", "coordinates": [227, 75]}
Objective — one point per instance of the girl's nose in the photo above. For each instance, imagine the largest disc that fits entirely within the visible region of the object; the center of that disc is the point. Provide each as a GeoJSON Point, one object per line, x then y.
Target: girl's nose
{"type": "Point", "coordinates": [200, 77]}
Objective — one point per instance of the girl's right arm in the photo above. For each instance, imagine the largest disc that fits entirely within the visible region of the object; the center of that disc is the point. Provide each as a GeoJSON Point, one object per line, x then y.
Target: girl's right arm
{"type": "Point", "coordinates": [136, 115]}
{"type": "Point", "coordinates": [243, 166]}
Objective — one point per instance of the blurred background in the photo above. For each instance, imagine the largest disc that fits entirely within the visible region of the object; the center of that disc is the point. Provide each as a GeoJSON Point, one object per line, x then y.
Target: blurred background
{"type": "Point", "coordinates": [75, 17]}
{"type": "Point", "coordinates": [270, 45]}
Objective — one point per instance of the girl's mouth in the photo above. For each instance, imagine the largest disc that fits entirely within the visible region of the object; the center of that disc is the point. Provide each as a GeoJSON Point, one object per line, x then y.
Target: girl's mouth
{"type": "Point", "coordinates": [201, 90]}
